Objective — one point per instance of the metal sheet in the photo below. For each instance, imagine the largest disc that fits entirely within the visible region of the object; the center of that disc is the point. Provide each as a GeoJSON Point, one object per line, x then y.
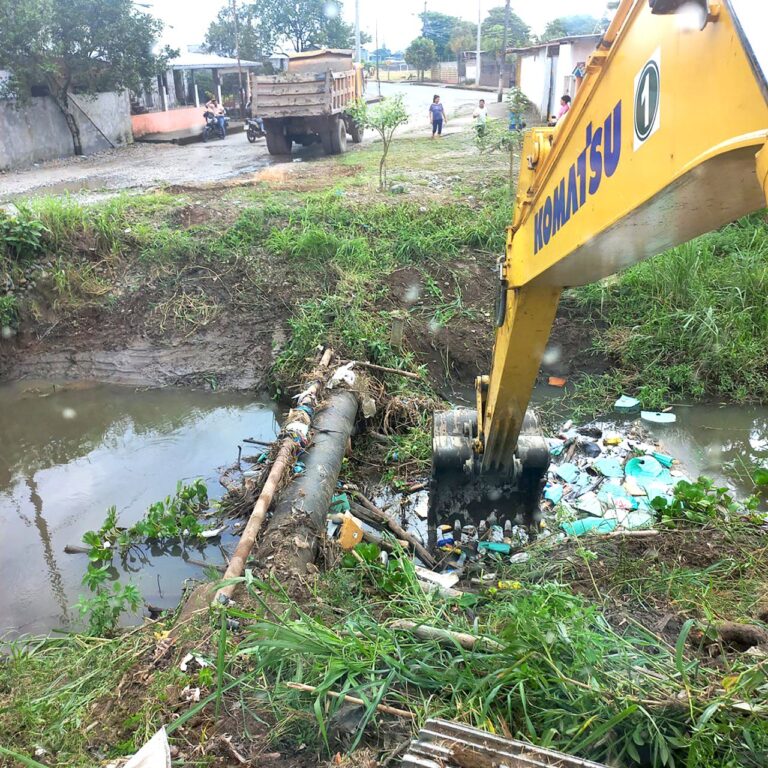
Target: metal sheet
{"type": "Point", "coordinates": [445, 744]}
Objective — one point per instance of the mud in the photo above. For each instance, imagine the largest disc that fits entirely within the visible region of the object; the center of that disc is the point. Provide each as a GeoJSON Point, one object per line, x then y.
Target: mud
{"type": "Point", "coordinates": [232, 358]}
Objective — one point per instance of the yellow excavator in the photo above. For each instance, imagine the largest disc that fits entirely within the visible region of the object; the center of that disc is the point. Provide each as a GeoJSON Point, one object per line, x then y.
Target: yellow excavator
{"type": "Point", "coordinates": [666, 139]}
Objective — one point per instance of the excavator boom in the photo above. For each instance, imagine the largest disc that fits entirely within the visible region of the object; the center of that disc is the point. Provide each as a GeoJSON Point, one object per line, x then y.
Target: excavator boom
{"type": "Point", "coordinates": [665, 140]}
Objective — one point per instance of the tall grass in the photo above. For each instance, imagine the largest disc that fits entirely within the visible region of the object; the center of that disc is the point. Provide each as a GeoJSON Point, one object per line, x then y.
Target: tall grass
{"type": "Point", "coordinates": [565, 678]}
{"type": "Point", "coordinates": [693, 322]}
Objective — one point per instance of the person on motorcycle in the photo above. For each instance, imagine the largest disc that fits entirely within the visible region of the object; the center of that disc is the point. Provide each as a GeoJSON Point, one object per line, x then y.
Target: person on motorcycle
{"type": "Point", "coordinates": [218, 112]}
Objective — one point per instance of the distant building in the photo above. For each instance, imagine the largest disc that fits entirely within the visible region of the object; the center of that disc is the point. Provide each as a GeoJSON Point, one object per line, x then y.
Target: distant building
{"type": "Point", "coordinates": [547, 71]}
{"type": "Point", "coordinates": [173, 102]}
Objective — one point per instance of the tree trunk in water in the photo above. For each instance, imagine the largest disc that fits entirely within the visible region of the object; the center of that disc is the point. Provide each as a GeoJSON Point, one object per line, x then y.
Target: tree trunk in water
{"type": "Point", "coordinates": [62, 102]}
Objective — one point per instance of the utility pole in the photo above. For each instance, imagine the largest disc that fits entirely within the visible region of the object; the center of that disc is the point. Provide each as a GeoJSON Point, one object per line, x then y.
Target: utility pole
{"type": "Point", "coordinates": [503, 67]}
{"type": "Point", "coordinates": [358, 57]}
{"type": "Point", "coordinates": [237, 53]}
{"type": "Point", "coordinates": [378, 57]}
{"type": "Point", "coordinates": [479, 24]}
{"type": "Point", "coordinates": [424, 21]}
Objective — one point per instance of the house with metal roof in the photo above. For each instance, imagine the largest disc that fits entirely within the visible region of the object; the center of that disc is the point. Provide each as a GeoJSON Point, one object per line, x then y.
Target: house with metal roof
{"type": "Point", "coordinates": [548, 70]}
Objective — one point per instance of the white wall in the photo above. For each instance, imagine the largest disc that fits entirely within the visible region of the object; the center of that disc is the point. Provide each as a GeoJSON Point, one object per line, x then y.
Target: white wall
{"type": "Point", "coordinates": [533, 78]}
{"type": "Point", "coordinates": [535, 74]}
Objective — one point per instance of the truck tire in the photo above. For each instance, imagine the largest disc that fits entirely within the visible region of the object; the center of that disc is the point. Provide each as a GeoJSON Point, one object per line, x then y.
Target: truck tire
{"type": "Point", "coordinates": [277, 142]}
{"type": "Point", "coordinates": [355, 131]}
{"type": "Point", "coordinates": [338, 136]}
{"type": "Point", "coordinates": [327, 141]}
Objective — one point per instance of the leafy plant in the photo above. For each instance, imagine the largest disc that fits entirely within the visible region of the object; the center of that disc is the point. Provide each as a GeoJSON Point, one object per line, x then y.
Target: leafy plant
{"type": "Point", "coordinates": [107, 605]}
{"type": "Point", "coordinates": [173, 517]}
{"type": "Point", "coordinates": [384, 118]}
{"type": "Point", "coordinates": [21, 236]}
{"type": "Point", "coordinates": [9, 311]}
{"type": "Point", "coordinates": [700, 503]}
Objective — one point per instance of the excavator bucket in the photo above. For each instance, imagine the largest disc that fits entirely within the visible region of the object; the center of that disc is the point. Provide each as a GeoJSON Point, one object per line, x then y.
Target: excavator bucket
{"type": "Point", "coordinates": [461, 493]}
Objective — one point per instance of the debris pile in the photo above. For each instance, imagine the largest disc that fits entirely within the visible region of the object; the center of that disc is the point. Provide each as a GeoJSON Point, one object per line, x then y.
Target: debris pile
{"type": "Point", "coordinates": [605, 476]}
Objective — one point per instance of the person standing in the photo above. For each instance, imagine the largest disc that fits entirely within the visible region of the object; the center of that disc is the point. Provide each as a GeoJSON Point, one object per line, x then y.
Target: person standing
{"type": "Point", "coordinates": [565, 105]}
{"type": "Point", "coordinates": [437, 116]}
{"type": "Point", "coordinates": [481, 117]}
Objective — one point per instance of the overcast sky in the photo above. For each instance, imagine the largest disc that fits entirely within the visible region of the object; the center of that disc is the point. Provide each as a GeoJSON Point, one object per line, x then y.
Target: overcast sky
{"type": "Point", "coordinates": [398, 21]}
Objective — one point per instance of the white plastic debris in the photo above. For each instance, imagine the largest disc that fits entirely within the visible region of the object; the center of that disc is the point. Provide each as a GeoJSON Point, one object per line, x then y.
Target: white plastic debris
{"type": "Point", "coordinates": [192, 695]}
{"type": "Point", "coordinates": [156, 753]}
{"type": "Point", "coordinates": [343, 374]}
{"type": "Point", "coordinates": [369, 407]}
{"type": "Point", "coordinates": [193, 657]}
{"type": "Point", "coordinates": [655, 417]}
{"type": "Point", "coordinates": [297, 428]}
{"type": "Point", "coordinates": [212, 533]}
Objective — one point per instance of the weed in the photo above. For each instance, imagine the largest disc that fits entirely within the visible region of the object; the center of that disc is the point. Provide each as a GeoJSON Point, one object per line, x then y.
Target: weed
{"type": "Point", "coordinates": [174, 517]}
{"type": "Point", "coordinates": [107, 605]}
{"type": "Point", "coordinates": [563, 678]}
{"type": "Point", "coordinates": [21, 236]}
{"type": "Point", "coordinates": [701, 503]}
{"type": "Point", "coordinates": [9, 311]}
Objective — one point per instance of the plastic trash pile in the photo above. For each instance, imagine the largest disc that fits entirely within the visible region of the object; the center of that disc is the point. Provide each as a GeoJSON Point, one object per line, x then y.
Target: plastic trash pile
{"type": "Point", "coordinates": [604, 477]}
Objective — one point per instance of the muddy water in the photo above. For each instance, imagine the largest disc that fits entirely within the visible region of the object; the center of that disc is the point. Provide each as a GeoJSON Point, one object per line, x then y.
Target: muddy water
{"type": "Point", "coordinates": [725, 443]}
{"type": "Point", "coordinates": [67, 454]}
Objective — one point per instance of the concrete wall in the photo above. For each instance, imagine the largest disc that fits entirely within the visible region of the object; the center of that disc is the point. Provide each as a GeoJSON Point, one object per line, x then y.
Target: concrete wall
{"type": "Point", "coordinates": [180, 119]}
{"type": "Point", "coordinates": [37, 131]}
{"type": "Point", "coordinates": [534, 78]}
{"type": "Point", "coordinates": [445, 72]}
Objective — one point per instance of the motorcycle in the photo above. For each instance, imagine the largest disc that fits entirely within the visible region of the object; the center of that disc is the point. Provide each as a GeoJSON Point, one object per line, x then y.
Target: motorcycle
{"type": "Point", "coordinates": [212, 128]}
{"type": "Point", "coordinates": [254, 127]}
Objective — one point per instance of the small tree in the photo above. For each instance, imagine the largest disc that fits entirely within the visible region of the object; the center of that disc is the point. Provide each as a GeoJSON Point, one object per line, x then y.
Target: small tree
{"type": "Point", "coordinates": [384, 118]}
{"type": "Point", "coordinates": [421, 54]}
{"type": "Point", "coordinates": [76, 46]}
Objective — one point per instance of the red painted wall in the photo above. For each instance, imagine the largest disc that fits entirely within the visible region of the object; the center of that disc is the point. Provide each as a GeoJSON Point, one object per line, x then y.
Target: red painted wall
{"type": "Point", "coordinates": [166, 122]}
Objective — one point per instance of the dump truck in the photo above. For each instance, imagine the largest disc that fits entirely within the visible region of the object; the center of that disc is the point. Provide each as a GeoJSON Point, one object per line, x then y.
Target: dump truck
{"type": "Point", "coordinates": [306, 104]}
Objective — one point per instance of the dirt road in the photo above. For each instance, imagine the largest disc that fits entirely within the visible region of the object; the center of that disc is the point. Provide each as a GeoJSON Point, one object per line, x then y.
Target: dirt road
{"type": "Point", "coordinates": [138, 166]}
{"type": "Point", "coordinates": [147, 166]}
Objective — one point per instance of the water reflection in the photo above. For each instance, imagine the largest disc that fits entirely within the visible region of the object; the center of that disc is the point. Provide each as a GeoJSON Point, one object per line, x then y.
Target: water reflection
{"type": "Point", "coordinates": [725, 443]}
{"type": "Point", "coordinates": [59, 473]}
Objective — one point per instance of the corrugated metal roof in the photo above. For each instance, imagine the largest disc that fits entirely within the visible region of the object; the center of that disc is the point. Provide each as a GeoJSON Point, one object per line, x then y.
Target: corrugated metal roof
{"type": "Point", "coordinates": [557, 41]}
{"type": "Point", "coordinates": [321, 52]}
{"type": "Point", "coordinates": [207, 61]}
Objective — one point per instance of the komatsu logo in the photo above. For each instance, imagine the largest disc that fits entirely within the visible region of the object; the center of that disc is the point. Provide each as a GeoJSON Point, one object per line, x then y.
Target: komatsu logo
{"type": "Point", "coordinates": [598, 160]}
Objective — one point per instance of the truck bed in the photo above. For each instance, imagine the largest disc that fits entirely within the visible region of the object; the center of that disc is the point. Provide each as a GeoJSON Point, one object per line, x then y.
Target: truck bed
{"type": "Point", "coordinates": [303, 94]}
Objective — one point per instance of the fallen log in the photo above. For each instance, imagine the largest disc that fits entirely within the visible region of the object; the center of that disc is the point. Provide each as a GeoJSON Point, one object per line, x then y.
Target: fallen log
{"type": "Point", "coordinates": [236, 565]}
{"type": "Point", "coordinates": [396, 528]}
{"type": "Point", "coordinates": [292, 536]}
{"type": "Point", "coordinates": [354, 700]}
{"type": "Point", "coordinates": [384, 369]}
{"type": "Point", "coordinates": [282, 463]}
{"type": "Point", "coordinates": [465, 640]}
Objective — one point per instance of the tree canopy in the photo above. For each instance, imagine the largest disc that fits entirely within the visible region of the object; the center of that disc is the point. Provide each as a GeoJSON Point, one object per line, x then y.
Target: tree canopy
{"type": "Point", "coordinates": [265, 24]}
{"type": "Point", "coordinates": [579, 24]}
{"type": "Point", "coordinates": [76, 46]}
{"type": "Point", "coordinates": [440, 28]}
{"type": "Point", "coordinates": [421, 54]}
{"type": "Point", "coordinates": [519, 32]}
{"type": "Point", "coordinates": [256, 39]}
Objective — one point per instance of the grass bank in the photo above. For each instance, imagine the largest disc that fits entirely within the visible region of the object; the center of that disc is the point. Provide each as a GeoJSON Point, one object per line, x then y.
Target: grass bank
{"type": "Point", "coordinates": [690, 324]}
{"type": "Point", "coordinates": [606, 649]}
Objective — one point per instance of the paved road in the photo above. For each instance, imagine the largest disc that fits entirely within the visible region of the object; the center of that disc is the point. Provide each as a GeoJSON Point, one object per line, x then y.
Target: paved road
{"type": "Point", "coordinates": [146, 166]}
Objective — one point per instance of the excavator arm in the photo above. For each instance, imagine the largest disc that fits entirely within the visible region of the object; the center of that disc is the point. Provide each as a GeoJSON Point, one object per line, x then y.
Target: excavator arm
{"type": "Point", "coordinates": [665, 140]}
